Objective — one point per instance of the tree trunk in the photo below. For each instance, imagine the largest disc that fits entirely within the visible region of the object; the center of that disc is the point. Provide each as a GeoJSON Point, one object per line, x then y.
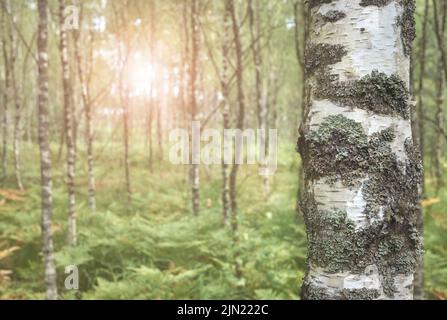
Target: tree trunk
{"type": "Point", "coordinates": [45, 154]}
{"type": "Point", "coordinates": [6, 94]}
{"type": "Point", "coordinates": [151, 92]}
{"type": "Point", "coordinates": [16, 90]}
{"type": "Point", "coordinates": [194, 168]}
{"type": "Point", "coordinates": [86, 100]}
{"type": "Point", "coordinates": [125, 104]}
{"type": "Point", "coordinates": [440, 123]}
{"type": "Point", "coordinates": [261, 101]}
{"type": "Point", "coordinates": [440, 23]}
{"type": "Point", "coordinates": [239, 125]}
{"type": "Point", "coordinates": [362, 171]}
{"type": "Point", "coordinates": [225, 114]}
{"type": "Point", "coordinates": [68, 117]}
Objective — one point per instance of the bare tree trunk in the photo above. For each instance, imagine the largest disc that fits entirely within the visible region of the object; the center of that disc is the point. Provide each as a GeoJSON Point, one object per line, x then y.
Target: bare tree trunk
{"type": "Point", "coordinates": [418, 128]}
{"type": "Point", "coordinates": [225, 114]}
{"type": "Point", "coordinates": [440, 87]}
{"type": "Point", "coordinates": [151, 147]}
{"type": "Point", "coordinates": [68, 117]}
{"type": "Point", "coordinates": [194, 168]}
{"type": "Point", "coordinates": [239, 125]}
{"type": "Point", "coordinates": [16, 90]}
{"type": "Point", "coordinates": [86, 100]}
{"type": "Point", "coordinates": [362, 170]}
{"type": "Point", "coordinates": [440, 123]}
{"type": "Point", "coordinates": [261, 101]}
{"type": "Point", "coordinates": [125, 104]}
{"type": "Point", "coordinates": [45, 153]}
{"type": "Point", "coordinates": [151, 92]}
{"type": "Point", "coordinates": [160, 127]}
{"type": "Point", "coordinates": [6, 93]}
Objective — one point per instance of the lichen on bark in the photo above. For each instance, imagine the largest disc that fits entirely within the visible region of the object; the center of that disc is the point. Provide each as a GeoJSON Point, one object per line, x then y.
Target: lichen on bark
{"type": "Point", "coordinates": [319, 56]}
{"type": "Point", "coordinates": [378, 3]}
{"type": "Point", "coordinates": [331, 16]}
{"type": "Point", "coordinates": [339, 150]}
{"type": "Point", "coordinates": [376, 92]}
{"type": "Point", "coordinates": [315, 3]}
{"type": "Point", "coordinates": [360, 294]}
{"type": "Point", "coordinates": [407, 24]}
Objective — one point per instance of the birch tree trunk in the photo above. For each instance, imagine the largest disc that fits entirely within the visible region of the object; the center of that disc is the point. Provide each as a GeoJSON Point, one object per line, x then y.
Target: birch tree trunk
{"type": "Point", "coordinates": [69, 136]}
{"type": "Point", "coordinates": [440, 123]}
{"type": "Point", "coordinates": [226, 44]}
{"type": "Point", "coordinates": [6, 93]}
{"type": "Point", "coordinates": [440, 24]}
{"type": "Point", "coordinates": [239, 125]}
{"type": "Point", "coordinates": [194, 168]}
{"type": "Point", "coordinates": [362, 172]}
{"type": "Point", "coordinates": [45, 154]}
{"type": "Point", "coordinates": [418, 128]}
{"type": "Point", "coordinates": [86, 100]}
{"type": "Point", "coordinates": [17, 98]}
{"type": "Point", "coordinates": [261, 101]}
{"type": "Point", "coordinates": [151, 92]}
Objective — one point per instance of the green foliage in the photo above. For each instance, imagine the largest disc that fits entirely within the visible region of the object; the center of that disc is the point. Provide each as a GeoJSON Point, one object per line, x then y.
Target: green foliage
{"type": "Point", "coordinates": [154, 248]}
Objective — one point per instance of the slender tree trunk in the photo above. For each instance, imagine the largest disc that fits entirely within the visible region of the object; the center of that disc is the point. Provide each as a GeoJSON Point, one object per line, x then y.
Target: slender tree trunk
{"type": "Point", "coordinates": [68, 117]}
{"type": "Point", "coordinates": [194, 168]}
{"type": "Point", "coordinates": [86, 100]}
{"type": "Point", "coordinates": [16, 91]}
{"type": "Point", "coordinates": [440, 87]}
{"type": "Point", "coordinates": [362, 170]}
{"type": "Point", "coordinates": [124, 99]}
{"type": "Point", "coordinates": [261, 102]}
{"type": "Point", "coordinates": [151, 91]}
{"type": "Point", "coordinates": [239, 125]}
{"type": "Point", "coordinates": [150, 121]}
{"type": "Point", "coordinates": [17, 130]}
{"type": "Point", "coordinates": [160, 128]}
{"type": "Point", "coordinates": [418, 137]}
{"type": "Point", "coordinates": [6, 94]}
{"type": "Point", "coordinates": [226, 115]}
{"type": "Point", "coordinates": [125, 104]}
{"type": "Point", "coordinates": [440, 123]}
{"type": "Point", "coordinates": [45, 154]}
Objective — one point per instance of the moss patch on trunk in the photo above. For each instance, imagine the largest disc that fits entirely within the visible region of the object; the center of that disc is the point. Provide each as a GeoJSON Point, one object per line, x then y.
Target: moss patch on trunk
{"type": "Point", "coordinates": [340, 150]}
{"type": "Point", "coordinates": [319, 56]}
{"type": "Point", "coordinates": [377, 92]}
{"type": "Point", "coordinates": [331, 16]}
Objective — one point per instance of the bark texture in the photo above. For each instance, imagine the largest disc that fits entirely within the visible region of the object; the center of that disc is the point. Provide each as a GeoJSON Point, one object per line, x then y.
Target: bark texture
{"type": "Point", "coordinates": [362, 171]}
{"type": "Point", "coordinates": [226, 45]}
{"type": "Point", "coordinates": [69, 134]}
{"type": "Point", "coordinates": [7, 91]}
{"type": "Point", "coordinates": [45, 155]}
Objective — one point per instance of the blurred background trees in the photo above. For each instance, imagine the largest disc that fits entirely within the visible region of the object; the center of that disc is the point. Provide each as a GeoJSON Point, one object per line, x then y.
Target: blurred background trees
{"type": "Point", "coordinates": [146, 228]}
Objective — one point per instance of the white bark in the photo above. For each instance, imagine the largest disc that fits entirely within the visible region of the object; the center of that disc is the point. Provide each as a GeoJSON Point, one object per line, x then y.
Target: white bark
{"type": "Point", "coordinates": [372, 39]}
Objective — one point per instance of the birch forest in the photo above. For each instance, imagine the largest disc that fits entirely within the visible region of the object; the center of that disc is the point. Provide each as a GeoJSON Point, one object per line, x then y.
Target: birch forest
{"type": "Point", "coordinates": [223, 149]}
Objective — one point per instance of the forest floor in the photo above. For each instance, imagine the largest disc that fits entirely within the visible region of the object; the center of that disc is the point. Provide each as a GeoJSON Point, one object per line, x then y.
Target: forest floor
{"type": "Point", "coordinates": [153, 248]}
